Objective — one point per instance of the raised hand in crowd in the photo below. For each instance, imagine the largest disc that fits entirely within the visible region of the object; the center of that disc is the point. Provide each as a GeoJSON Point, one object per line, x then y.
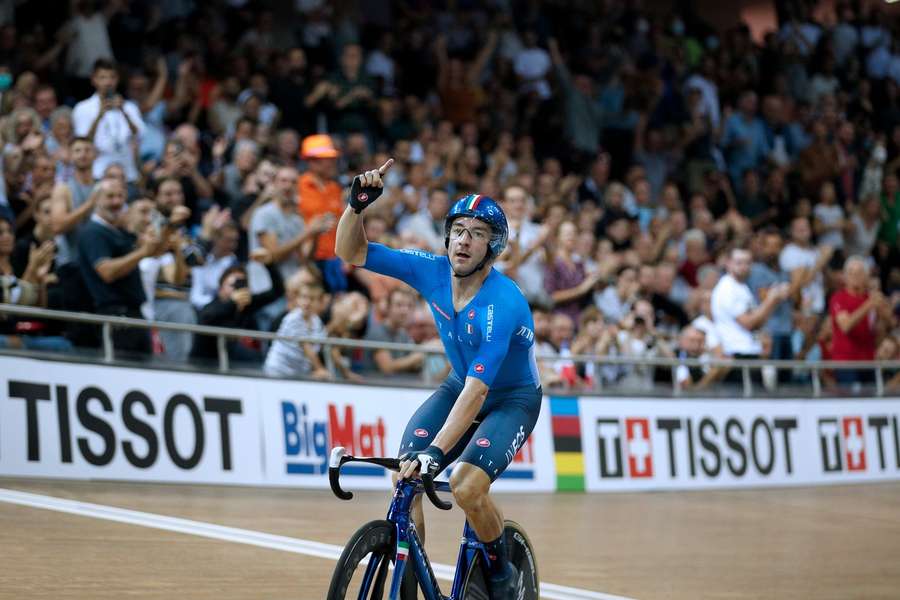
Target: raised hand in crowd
{"type": "Point", "coordinates": [151, 244]}
{"type": "Point", "coordinates": [262, 255]}
{"type": "Point", "coordinates": [242, 297]}
{"type": "Point", "coordinates": [322, 223]}
{"type": "Point", "coordinates": [40, 262]}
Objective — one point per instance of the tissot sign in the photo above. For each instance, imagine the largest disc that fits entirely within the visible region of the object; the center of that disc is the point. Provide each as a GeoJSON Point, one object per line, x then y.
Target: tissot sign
{"type": "Point", "coordinates": [78, 421]}
{"type": "Point", "coordinates": [652, 444]}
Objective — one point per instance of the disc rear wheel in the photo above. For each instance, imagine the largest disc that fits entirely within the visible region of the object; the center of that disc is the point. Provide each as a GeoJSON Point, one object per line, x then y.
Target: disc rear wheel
{"type": "Point", "coordinates": [521, 555]}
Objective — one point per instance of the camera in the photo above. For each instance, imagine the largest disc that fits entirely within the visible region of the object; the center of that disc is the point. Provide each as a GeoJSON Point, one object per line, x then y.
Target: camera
{"type": "Point", "coordinates": [240, 283]}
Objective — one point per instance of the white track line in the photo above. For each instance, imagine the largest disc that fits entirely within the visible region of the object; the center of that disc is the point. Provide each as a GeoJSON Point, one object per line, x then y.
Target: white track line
{"type": "Point", "coordinates": [244, 536]}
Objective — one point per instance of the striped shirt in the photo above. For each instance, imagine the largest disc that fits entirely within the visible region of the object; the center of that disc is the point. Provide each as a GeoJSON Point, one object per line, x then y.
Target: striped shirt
{"type": "Point", "coordinates": [286, 359]}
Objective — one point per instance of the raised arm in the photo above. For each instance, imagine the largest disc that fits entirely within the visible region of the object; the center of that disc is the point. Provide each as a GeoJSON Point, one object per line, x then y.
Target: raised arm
{"type": "Point", "coordinates": [317, 226]}
{"type": "Point", "coordinates": [483, 57]}
{"type": "Point", "coordinates": [351, 244]}
{"type": "Point", "coordinates": [756, 318]}
{"type": "Point", "coordinates": [62, 218]}
{"type": "Point", "coordinates": [159, 86]}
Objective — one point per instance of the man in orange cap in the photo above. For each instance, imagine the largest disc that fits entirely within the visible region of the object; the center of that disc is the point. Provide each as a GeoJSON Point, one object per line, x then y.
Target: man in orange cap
{"type": "Point", "coordinates": [320, 194]}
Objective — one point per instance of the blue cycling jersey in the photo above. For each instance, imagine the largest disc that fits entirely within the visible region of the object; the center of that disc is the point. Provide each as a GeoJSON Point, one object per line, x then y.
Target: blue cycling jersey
{"type": "Point", "coordinates": [491, 339]}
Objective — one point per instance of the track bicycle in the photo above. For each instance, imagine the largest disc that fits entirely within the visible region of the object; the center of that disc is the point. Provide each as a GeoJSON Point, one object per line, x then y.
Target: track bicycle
{"type": "Point", "coordinates": [392, 544]}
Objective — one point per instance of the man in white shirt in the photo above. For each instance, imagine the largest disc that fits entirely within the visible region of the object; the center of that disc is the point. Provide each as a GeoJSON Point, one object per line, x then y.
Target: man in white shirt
{"type": "Point", "coordinates": [736, 313]}
{"type": "Point", "coordinates": [113, 124]}
{"type": "Point", "coordinates": [526, 265]}
{"type": "Point", "coordinates": [704, 81]}
{"type": "Point", "coordinates": [531, 65]}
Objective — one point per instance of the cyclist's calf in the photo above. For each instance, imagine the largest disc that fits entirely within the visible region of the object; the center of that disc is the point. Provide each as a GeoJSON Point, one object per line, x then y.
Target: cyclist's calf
{"type": "Point", "coordinates": [471, 487]}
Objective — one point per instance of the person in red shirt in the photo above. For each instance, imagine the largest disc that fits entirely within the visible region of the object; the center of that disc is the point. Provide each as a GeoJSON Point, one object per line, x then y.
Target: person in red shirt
{"type": "Point", "coordinates": [320, 193]}
{"type": "Point", "coordinates": [853, 311]}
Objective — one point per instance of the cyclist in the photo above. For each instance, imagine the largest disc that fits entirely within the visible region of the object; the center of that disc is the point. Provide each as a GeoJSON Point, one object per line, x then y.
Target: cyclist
{"type": "Point", "coordinates": [488, 405]}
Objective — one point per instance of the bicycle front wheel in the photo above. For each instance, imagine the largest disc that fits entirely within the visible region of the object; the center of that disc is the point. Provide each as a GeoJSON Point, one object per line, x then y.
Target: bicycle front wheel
{"type": "Point", "coordinates": [362, 570]}
{"type": "Point", "coordinates": [521, 555]}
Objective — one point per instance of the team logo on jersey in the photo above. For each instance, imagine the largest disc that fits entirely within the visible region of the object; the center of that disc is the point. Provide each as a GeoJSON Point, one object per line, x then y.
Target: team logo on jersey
{"type": "Point", "coordinates": [421, 433]}
{"type": "Point", "coordinates": [490, 323]}
{"type": "Point", "coordinates": [483, 442]}
{"type": "Point", "coordinates": [471, 313]}
{"type": "Point", "coordinates": [362, 197]}
{"type": "Point", "coordinates": [479, 368]}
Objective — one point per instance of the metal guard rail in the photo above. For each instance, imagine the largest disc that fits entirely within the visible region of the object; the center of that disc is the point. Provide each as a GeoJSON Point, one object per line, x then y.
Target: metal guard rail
{"type": "Point", "coordinates": [107, 322]}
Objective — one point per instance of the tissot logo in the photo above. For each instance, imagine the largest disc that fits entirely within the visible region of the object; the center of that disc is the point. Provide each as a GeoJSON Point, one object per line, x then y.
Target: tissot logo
{"type": "Point", "coordinates": [842, 443]}
{"type": "Point", "coordinates": [637, 446]}
{"type": "Point", "coordinates": [640, 452]}
{"type": "Point", "coordinates": [854, 443]}
{"type": "Point", "coordinates": [712, 446]}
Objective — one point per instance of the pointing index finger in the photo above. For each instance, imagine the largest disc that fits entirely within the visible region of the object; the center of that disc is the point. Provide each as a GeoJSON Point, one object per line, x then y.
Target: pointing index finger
{"type": "Point", "coordinates": [386, 166]}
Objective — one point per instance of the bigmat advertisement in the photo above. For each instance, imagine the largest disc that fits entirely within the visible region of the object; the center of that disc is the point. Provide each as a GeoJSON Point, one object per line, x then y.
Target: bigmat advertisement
{"type": "Point", "coordinates": [631, 444]}
{"type": "Point", "coordinates": [98, 422]}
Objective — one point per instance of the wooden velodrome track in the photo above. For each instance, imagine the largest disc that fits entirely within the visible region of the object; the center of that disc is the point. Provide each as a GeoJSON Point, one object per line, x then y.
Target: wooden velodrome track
{"type": "Point", "coordinates": [825, 542]}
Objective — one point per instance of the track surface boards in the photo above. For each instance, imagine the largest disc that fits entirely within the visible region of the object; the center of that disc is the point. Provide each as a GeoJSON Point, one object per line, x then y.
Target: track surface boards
{"type": "Point", "coordinates": [825, 542]}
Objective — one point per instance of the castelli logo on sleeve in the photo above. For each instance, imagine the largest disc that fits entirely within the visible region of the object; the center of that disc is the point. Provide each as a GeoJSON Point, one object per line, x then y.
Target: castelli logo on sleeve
{"type": "Point", "coordinates": [472, 313]}
{"type": "Point", "coordinates": [479, 368]}
{"type": "Point", "coordinates": [421, 433]}
{"type": "Point", "coordinates": [483, 442]}
{"type": "Point", "coordinates": [362, 196]}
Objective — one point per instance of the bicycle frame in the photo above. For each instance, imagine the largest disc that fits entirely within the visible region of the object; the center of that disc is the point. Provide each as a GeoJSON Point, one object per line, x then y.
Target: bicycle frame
{"type": "Point", "coordinates": [407, 546]}
{"type": "Point", "coordinates": [409, 549]}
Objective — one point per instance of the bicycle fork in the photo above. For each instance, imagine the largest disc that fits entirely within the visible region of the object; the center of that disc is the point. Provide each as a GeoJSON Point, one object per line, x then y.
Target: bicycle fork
{"type": "Point", "coordinates": [410, 549]}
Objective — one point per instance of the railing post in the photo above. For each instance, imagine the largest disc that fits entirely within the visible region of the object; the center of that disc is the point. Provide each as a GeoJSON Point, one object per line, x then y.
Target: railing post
{"type": "Point", "coordinates": [109, 352]}
{"type": "Point", "coordinates": [329, 360]}
{"type": "Point", "coordinates": [816, 382]}
{"type": "Point", "coordinates": [748, 384]}
{"type": "Point", "coordinates": [427, 375]}
{"type": "Point", "coordinates": [598, 376]}
{"type": "Point", "coordinates": [879, 382]}
{"type": "Point", "coordinates": [676, 390]}
{"type": "Point", "coordinates": [222, 349]}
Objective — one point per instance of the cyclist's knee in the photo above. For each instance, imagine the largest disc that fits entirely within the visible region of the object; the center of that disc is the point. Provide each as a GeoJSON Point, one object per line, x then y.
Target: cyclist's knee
{"type": "Point", "coordinates": [470, 485]}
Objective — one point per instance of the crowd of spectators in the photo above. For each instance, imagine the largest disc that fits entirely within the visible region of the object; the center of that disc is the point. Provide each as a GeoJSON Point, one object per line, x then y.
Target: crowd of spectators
{"type": "Point", "coordinates": [672, 190]}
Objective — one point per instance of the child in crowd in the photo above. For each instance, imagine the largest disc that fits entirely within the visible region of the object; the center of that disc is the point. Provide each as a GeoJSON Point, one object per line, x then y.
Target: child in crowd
{"type": "Point", "coordinates": [292, 359]}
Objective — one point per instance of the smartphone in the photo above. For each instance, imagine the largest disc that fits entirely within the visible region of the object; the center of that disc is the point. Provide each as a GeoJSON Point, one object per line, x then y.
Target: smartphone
{"type": "Point", "coordinates": [240, 283]}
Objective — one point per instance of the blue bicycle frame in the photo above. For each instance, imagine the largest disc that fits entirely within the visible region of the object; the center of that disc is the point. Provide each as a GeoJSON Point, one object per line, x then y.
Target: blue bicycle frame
{"type": "Point", "coordinates": [408, 548]}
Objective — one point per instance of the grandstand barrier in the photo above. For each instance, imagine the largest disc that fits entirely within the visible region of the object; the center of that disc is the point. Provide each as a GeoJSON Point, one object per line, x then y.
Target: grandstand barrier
{"type": "Point", "coordinates": [97, 421]}
{"type": "Point", "coordinates": [747, 389]}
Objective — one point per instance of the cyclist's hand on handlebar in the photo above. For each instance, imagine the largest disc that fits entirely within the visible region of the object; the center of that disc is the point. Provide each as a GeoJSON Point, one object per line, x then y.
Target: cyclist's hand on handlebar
{"type": "Point", "coordinates": [427, 461]}
{"type": "Point", "coordinates": [367, 187]}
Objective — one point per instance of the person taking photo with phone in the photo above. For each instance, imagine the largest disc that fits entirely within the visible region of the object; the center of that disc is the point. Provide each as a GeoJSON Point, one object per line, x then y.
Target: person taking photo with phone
{"type": "Point", "coordinates": [236, 306]}
{"type": "Point", "coordinates": [113, 124]}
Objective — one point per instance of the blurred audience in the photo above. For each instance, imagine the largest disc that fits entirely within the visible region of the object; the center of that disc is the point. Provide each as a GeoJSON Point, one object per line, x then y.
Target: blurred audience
{"type": "Point", "coordinates": [628, 180]}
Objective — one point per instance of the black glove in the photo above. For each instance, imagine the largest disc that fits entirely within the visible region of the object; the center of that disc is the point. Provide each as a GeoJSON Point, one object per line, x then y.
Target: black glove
{"type": "Point", "coordinates": [430, 459]}
{"type": "Point", "coordinates": [362, 196]}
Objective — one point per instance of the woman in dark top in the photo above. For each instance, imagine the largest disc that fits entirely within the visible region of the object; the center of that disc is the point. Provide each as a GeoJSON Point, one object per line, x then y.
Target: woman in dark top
{"type": "Point", "coordinates": [235, 307]}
